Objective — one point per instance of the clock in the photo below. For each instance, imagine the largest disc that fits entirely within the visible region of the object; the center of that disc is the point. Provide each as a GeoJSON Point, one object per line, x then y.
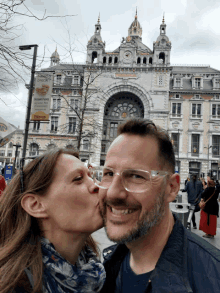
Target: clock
{"type": "Point", "coordinates": [127, 55]}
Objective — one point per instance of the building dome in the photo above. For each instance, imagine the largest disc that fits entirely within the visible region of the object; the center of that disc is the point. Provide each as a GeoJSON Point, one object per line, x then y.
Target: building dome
{"type": "Point", "coordinates": [55, 54]}
{"type": "Point", "coordinates": [55, 58]}
{"type": "Point", "coordinates": [135, 29]}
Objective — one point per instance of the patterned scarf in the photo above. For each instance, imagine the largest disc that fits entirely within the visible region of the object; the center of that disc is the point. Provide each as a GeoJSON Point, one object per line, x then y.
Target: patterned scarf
{"type": "Point", "coordinates": [60, 276]}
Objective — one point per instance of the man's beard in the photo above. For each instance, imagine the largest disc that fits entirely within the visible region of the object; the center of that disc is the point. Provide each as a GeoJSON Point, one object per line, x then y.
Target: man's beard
{"type": "Point", "coordinates": [144, 225]}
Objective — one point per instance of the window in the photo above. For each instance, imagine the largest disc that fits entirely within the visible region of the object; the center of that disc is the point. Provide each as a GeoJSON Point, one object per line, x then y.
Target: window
{"type": "Point", "coordinates": [195, 144]}
{"type": "Point", "coordinates": [105, 129]}
{"type": "Point", "coordinates": [76, 79]}
{"type": "Point", "coordinates": [36, 125]}
{"type": "Point", "coordinates": [59, 78]}
{"type": "Point", "coordinates": [10, 144]}
{"type": "Point", "coordinates": [74, 103]}
{"type": "Point", "coordinates": [72, 125]}
{"type": "Point", "coordinates": [177, 96]}
{"type": "Point", "coordinates": [54, 123]}
{"type": "Point", "coordinates": [9, 153]}
{"type": "Point", "coordinates": [175, 142]}
{"type": "Point", "coordinates": [197, 82]}
{"type": "Point", "coordinates": [217, 83]}
{"type": "Point", "coordinates": [56, 104]}
{"type": "Point", "coordinates": [2, 153]}
{"type": "Point", "coordinates": [113, 129]}
{"type": "Point", "coordinates": [216, 111]}
{"type": "Point", "coordinates": [176, 109]}
{"type": "Point", "coordinates": [144, 60]}
{"type": "Point", "coordinates": [85, 144]}
{"type": "Point", "coordinates": [34, 150]}
{"type": "Point", "coordinates": [70, 146]}
{"type": "Point", "coordinates": [160, 80]}
{"type": "Point", "coordinates": [178, 82]}
{"type": "Point", "coordinates": [196, 110]}
{"type": "Point", "coordinates": [216, 145]}
{"type": "Point", "coordinates": [103, 148]}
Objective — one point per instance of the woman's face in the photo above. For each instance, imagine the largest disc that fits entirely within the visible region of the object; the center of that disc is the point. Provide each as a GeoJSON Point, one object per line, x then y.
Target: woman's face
{"type": "Point", "coordinates": [71, 201]}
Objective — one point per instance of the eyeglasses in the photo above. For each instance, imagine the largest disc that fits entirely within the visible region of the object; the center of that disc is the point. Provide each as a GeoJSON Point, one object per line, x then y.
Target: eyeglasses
{"type": "Point", "coordinates": [133, 180]}
{"type": "Point", "coordinates": [32, 171]}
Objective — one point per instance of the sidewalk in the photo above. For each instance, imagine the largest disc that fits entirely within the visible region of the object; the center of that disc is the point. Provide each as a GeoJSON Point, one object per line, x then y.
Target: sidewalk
{"type": "Point", "coordinates": [214, 241]}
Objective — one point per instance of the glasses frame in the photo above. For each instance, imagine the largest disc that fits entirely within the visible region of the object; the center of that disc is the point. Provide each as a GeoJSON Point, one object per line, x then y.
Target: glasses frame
{"type": "Point", "coordinates": [152, 173]}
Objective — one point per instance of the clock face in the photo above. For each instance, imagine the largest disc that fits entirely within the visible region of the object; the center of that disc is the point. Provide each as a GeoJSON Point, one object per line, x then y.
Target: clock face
{"type": "Point", "coordinates": [127, 55]}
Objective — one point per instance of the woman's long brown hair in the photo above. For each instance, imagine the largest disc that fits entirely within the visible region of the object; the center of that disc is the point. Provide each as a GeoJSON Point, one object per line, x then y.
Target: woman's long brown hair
{"type": "Point", "coordinates": [20, 246]}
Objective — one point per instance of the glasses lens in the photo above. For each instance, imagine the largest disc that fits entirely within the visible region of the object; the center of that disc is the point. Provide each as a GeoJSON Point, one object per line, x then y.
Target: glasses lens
{"type": "Point", "coordinates": [136, 181]}
{"type": "Point", "coordinates": [101, 177]}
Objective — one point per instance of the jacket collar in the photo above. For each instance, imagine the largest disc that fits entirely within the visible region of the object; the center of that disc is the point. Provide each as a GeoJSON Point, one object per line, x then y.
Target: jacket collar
{"type": "Point", "coordinates": [172, 263]}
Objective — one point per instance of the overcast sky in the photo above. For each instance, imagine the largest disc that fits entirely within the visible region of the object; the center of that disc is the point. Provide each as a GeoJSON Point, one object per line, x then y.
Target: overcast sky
{"type": "Point", "coordinates": [192, 27]}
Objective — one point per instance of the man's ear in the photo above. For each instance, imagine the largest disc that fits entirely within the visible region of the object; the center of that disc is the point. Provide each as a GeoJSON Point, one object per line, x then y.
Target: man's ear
{"type": "Point", "coordinates": [33, 205]}
{"type": "Point", "coordinates": [173, 187]}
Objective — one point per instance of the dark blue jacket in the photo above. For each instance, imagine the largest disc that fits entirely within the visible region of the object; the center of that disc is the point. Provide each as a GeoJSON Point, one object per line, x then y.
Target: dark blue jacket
{"type": "Point", "coordinates": [194, 190]}
{"type": "Point", "coordinates": [187, 264]}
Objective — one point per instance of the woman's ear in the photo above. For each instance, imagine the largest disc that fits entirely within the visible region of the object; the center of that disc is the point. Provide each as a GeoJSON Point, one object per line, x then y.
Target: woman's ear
{"type": "Point", "coordinates": [173, 187]}
{"type": "Point", "coordinates": [33, 205]}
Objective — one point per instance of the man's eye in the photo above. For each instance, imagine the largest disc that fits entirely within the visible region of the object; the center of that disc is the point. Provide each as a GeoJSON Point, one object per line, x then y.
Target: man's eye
{"type": "Point", "coordinates": [108, 173]}
{"type": "Point", "coordinates": [78, 178]}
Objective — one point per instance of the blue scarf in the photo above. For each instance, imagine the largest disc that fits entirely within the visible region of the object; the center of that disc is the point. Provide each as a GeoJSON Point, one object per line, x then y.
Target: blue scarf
{"type": "Point", "coordinates": [60, 276]}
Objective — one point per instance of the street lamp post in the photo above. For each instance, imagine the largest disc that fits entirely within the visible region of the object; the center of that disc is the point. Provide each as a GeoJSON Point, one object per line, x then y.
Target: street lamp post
{"type": "Point", "coordinates": [28, 47]}
{"type": "Point", "coordinates": [17, 145]}
{"type": "Point", "coordinates": [208, 147]}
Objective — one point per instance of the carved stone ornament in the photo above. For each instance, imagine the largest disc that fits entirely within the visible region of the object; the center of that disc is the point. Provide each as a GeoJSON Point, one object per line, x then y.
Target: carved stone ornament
{"type": "Point", "coordinates": [175, 124]}
{"type": "Point", "coordinates": [195, 125]}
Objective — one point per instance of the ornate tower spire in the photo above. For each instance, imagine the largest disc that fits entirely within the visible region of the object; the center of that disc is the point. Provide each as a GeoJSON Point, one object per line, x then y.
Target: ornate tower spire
{"type": "Point", "coordinates": [99, 18]}
{"type": "Point", "coordinates": [135, 29]}
{"type": "Point", "coordinates": [163, 21]}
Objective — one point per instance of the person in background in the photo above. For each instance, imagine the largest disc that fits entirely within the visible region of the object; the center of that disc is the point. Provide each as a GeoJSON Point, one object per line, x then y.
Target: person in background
{"type": "Point", "coordinates": [217, 186]}
{"type": "Point", "coordinates": [208, 218]}
{"type": "Point", "coordinates": [47, 215]}
{"type": "Point", "coordinates": [194, 190]}
{"type": "Point", "coordinates": [2, 184]}
{"type": "Point", "coordinates": [187, 180]}
{"type": "Point", "coordinates": [204, 183]}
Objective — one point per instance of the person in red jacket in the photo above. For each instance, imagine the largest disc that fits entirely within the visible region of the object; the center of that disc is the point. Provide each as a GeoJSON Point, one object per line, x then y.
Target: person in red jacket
{"type": "Point", "coordinates": [2, 184]}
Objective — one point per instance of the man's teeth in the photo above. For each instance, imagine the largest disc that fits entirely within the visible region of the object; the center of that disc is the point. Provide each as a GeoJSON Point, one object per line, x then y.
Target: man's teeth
{"type": "Point", "coordinates": [121, 212]}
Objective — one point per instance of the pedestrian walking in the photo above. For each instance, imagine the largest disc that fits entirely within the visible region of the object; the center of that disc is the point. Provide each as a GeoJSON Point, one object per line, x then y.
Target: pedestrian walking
{"type": "Point", "coordinates": [208, 217]}
{"type": "Point", "coordinates": [47, 216]}
{"type": "Point", "coordinates": [187, 180]}
{"type": "Point", "coordinates": [194, 190]}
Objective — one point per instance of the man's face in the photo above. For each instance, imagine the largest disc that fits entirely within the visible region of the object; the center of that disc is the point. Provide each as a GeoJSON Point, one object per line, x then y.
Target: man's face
{"type": "Point", "coordinates": [144, 210]}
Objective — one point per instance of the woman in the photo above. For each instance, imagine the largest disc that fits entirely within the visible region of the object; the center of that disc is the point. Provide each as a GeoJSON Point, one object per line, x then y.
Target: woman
{"type": "Point", "coordinates": [208, 219]}
{"type": "Point", "coordinates": [46, 218]}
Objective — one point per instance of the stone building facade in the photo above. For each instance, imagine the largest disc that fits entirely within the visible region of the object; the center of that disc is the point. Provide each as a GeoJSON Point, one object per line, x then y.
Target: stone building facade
{"type": "Point", "coordinates": [133, 81]}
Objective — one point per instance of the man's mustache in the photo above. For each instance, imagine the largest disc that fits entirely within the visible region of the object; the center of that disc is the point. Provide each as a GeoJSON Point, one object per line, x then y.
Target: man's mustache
{"type": "Point", "coordinates": [119, 202]}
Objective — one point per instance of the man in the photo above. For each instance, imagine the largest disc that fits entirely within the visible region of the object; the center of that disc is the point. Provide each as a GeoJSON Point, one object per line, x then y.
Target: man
{"type": "Point", "coordinates": [155, 253]}
{"type": "Point", "coordinates": [194, 190]}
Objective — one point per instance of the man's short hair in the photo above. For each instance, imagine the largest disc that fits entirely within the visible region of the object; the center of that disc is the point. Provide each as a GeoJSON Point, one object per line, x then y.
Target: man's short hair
{"type": "Point", "coordinates": [145, 127]}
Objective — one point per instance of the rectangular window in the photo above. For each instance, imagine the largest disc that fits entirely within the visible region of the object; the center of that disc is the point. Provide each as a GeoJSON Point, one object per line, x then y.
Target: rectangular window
{"type": "Point", "coordinates": [175, 142]}
{"type": "Point", "coordinates": [216, 145]}
{"type": "Point", "coordinates": [217, 83]}
{"type": "Point", "coordinates": [197, 82]}
{"type": "Point", "coordinates": [72, 125]}
{"type": "Point", "coordinates": [56, 104]}
{"type": "Point", "coordinates": [74, 103]}
{"type": "Point", "coordinates": [113, 129]}
{"type": "Point", "coordinates": [216, 111]}
{"type": "Point", "coordinates": [176, 109]}
{"type": "Point", "coordinates": [54, 123]}
{"type": "Point", "coordinates": [195, 144]}
{"type": "Point", "coordinates": [178, 82]}
{"type": "Point", "coordinates": [59, 78]}
{"type": "Point", "coordinates": [160, 80]}
{"type": "Point", "coordinates": [85, 144]}
{"type": "Point", "coordinates": [36, 125]}
{"type": "Point", "coordinates": [9, 153]}
{"type": "Point", "coordinates": [196, 110]}
{"type": "Point", "coordinates": [76, 79]}
{"type": "Point", "coordinates": [103, 148]}
{"type": "Point", "coordinates": [2, 153]}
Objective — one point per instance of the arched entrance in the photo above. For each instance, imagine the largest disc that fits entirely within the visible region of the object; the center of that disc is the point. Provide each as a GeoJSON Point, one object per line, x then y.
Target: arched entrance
{"type": "Point", "coordinates": [120, 107]}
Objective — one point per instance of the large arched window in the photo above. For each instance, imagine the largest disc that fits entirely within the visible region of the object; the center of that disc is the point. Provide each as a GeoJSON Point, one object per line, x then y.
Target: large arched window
{"type": "Point", "coordinates": [124, 110]}
{"type": "Point", "coordinates": [162, 57]}
{"type": "Point", "coordinates": [34, 150]}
